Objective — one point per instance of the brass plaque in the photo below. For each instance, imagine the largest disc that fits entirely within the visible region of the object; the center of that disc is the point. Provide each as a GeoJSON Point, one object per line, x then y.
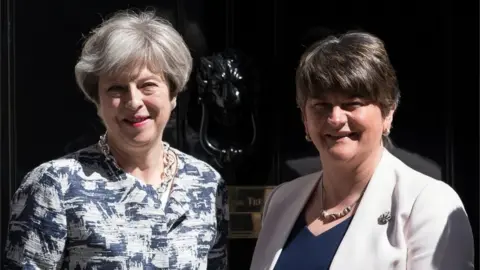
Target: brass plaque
{"type": "Point", "coordinates": [246, 207]}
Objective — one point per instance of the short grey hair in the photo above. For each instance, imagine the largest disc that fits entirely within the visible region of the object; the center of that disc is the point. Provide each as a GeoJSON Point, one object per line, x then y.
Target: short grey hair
{"type": "Point", "coordinates": [127, 41]}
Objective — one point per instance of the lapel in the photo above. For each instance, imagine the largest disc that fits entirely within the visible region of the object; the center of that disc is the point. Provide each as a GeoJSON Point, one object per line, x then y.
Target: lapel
{"type": "Point", "coordinates": [288, 209]}
{"type": "Point", "coordinates": [364, 226]}
{"type": "Point", "coordinates": [177, 204]}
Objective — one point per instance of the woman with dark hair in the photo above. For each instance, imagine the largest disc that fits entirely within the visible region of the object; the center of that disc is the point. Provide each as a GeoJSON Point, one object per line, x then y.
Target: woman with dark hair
{"type": "Point", "coordinates": [366, 209]}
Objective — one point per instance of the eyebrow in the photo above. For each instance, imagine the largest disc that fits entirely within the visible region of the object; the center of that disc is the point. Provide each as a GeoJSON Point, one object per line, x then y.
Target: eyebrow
{"type": "Point", "coordinates": [152, 77]}
{"type": "Point", "coordinates": [117, 80]}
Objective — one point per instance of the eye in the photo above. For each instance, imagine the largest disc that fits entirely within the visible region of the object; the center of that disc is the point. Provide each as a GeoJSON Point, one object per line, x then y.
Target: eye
{"type": "Point", "coordinates": [116, 90]}
{"type": "Point", "coordinates": [149, 84]}
{"type": "Point", "coordinates": [149, 87]}
{"type": "Point", "coordinates": [321, 105]}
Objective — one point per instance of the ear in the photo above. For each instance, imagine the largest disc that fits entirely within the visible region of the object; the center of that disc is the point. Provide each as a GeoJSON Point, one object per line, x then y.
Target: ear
{"type": "Point", "coordinates": [387, 122]}
{"type": "Point", "coordinates": [304, 119]}
{"type": "Point", "coordinates": [98, 110]}
{"type": "Point", "coordinates": [302, 113]}
{"type": "Point", "coordinates": [173, 103]}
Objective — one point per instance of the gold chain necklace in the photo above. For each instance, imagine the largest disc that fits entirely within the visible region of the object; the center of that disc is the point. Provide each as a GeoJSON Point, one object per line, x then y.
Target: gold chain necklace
{"type": "Point", "coordinates": [169, 162]}
{"type": "Point", "coordinates": [329, 217]}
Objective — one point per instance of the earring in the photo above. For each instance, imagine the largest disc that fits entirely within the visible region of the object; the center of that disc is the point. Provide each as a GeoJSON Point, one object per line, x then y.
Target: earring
{"type": "Point", "coordinates": [386, 132]}
{"type": "Point", "coordinates": [307, 138]}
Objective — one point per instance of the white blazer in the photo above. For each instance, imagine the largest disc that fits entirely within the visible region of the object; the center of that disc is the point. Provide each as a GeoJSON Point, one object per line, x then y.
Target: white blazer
{"type": "Point", "coordinates": [428, 229]}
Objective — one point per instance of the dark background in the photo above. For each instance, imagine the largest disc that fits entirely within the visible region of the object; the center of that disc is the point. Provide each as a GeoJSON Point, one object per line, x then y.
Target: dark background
{"type": "Point", "coordinates": [433, 46]}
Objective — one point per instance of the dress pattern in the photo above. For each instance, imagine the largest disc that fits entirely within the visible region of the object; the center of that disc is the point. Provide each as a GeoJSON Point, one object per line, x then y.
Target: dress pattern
{"type": "Point", "coordinates": [82, 212]}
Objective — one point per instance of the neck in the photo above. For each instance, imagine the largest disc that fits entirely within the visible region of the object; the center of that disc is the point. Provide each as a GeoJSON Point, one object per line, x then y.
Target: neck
{"type": "Point", "coordinates": [145, 163]}
{"type": "Point", "coordinates": [344, 183]}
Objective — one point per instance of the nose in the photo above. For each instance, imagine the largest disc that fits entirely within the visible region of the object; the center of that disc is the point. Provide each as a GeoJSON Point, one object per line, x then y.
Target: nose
{"type": "Point", "coordinates": [337, 117]}
{"type": "Point", "coordinates": [134, 99]}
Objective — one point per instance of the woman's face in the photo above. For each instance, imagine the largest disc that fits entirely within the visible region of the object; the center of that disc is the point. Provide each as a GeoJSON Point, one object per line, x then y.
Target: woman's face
{"type": "Point", "coordinates": [345, 128]}
{"type": "Point", "coordinates": [135, 109]}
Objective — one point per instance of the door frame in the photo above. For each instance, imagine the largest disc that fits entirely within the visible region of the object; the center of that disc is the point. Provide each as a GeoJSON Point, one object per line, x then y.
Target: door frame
{"type": "Point", "coordinates": [8, 183]}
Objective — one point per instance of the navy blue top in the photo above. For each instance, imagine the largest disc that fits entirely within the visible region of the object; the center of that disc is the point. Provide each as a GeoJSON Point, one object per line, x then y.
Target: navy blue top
{"type": "Point", "coordinates": [305, 251]}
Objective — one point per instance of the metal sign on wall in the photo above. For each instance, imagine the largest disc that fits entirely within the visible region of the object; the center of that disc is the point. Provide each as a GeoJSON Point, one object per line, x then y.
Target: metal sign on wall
{"type": "Point", "coordinates": [246, 205]}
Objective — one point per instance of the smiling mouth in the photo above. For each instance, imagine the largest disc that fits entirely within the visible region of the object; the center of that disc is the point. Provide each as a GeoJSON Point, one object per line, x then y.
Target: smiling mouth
{"type": "Point", "coordinates": [136, 121]}
{"type": "Point", "coordinates": [352, 136]}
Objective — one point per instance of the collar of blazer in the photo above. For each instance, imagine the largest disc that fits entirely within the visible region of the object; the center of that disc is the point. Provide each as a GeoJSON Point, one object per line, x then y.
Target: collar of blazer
{"type": "Point", "coordinates": [291, 200]}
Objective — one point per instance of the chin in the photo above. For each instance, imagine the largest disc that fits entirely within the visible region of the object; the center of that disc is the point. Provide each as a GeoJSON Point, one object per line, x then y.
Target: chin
{"type": "Point", "coordinates": [341, 153]}
{"type": "Point", "coordinates": [341, 156]}
{"type": "Point", "coordinates": [141, 138]}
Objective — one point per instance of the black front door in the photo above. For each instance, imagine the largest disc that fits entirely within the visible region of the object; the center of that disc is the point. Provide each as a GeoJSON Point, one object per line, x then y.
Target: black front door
{"type": "Point", "coordinates": [44, 115]}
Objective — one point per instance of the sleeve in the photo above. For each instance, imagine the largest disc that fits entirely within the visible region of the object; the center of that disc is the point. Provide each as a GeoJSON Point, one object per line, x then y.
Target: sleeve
{"type": "Point", "coordinates": [217, 257]}
{"type": "Point", "coordinates": [37, 228]}
{"type": "Point", "coordinates": [438, 233]}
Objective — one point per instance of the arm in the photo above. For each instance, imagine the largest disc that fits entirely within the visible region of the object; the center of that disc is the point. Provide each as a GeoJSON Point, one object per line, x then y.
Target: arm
{"type": "Point", "coordinates": [37, 229]}
{"type": "Point", "coordinates": [438, 232]}
{"type": "Point", "coordinates": [217, 257]}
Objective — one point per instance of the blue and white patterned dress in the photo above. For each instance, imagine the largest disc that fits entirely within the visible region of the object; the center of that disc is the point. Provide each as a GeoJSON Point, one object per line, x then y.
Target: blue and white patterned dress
{"type": "Point", "coordinates": [82, 212]}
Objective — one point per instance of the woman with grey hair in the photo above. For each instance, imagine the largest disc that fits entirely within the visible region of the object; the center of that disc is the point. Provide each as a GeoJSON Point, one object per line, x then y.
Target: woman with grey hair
{"type": "Point", "coordinates": [130, 201]}
{"type": "Point", "coordinates": [366, 209]}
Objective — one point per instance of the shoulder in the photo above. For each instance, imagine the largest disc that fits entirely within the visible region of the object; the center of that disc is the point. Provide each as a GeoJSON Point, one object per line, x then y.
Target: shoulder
{"type": "Point", "coordinates": [295, 185]}
{"type": "Point", "coordinates": [199, 177]}
{"type": "Point", "coordinates": [437, 223]}
{"type": "Point", "coordinates": [426, 193]}
{"type": "Point", "coordinates": [437, 199]}
{"type": "Point", "coordinates": [43, 187]}
{"type": "Point", "coordinates": [201, 180]}
{"type": "Point", "coordinates": [192, 168]}
{"type": "Point", "coordinates": [406, 177]}
{"type": "Point", "coordinates": [288, 192]}
{"type": "Point", "coordinates": [58, 172]}
{"type": "Point", "coordinates": [418, 162]}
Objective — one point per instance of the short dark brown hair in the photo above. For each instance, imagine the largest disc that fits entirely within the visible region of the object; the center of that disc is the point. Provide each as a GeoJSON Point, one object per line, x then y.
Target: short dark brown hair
{"type": "Point", "coordinates": [354, 64]}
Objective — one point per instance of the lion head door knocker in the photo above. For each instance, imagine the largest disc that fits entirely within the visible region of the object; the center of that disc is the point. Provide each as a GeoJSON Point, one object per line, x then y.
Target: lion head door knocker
{"type": "Point", "coordinates": [227, 94]}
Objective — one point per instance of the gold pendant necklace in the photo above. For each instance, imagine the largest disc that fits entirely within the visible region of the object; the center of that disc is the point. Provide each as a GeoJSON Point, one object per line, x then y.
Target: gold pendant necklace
{"type": "Point", "coordinates": [170, 166]}
{"type": "Point", "coordinates": [329, 217]}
